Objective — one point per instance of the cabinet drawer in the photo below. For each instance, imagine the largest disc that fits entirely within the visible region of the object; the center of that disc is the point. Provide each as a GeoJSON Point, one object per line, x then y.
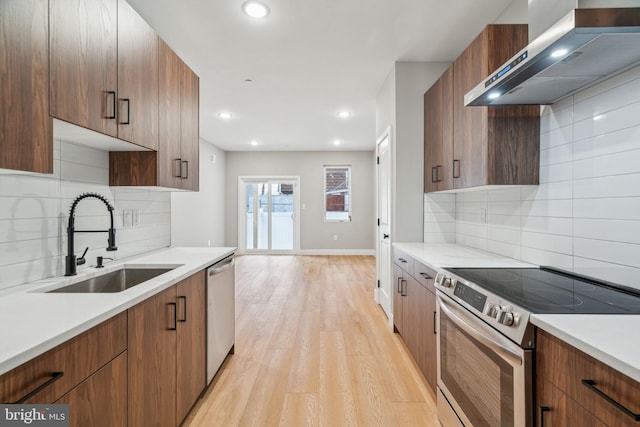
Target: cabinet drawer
{"type": "Point", "coordinates": [424, 275]}
{"type": "Point", "coordinates": [403, 260]}
{"type": "Point", "coordinates": [76, 359]}
{"type": "Point", "coordinates": [556, 409]}
{"type": "Point", "coordinates": [567, 367]}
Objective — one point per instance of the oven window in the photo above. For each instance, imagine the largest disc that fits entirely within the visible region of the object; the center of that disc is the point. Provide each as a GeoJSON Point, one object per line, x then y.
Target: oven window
{"type": "Point", "coordinates": [480, 382]}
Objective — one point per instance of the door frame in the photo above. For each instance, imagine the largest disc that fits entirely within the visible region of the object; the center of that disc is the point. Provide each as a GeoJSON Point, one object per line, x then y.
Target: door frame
{"type": "Point", "coordinates": [387, 133]}
{"type": "Point", "coordinates": [242, 244]}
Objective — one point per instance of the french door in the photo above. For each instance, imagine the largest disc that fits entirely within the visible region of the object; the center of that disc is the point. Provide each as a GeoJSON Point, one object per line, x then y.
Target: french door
{"type": "Point", "coordinates": [268, 215]}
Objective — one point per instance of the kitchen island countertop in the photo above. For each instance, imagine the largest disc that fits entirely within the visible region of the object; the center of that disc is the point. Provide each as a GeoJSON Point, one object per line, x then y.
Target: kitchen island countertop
{"type": "Point", "coordinates": [612, 339]}
{"type": "Point", "coordinates": [34, 321]}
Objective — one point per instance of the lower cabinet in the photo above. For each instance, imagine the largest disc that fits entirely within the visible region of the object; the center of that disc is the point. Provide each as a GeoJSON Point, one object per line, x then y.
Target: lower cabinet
{"type": "Point", "coordinates": [167, 368]}
{"type": "Point", "coordinates": [101, 400]}
{"type": "Point", "coordinates": [575, 389]}
{"type": "Point", "coordinates": [414, 308]}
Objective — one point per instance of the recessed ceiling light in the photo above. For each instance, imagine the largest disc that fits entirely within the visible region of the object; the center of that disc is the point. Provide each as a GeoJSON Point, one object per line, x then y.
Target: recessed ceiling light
{"type": "Point", "coordinates": [254, 143]}
{"type": "Point", "coordinates": [255, 9]}
{"type": "Point", "coordinates": [344, 114]}
{"type": "Point", "coordinates": [559, 53]}
{"type": "Point", "coordinates": [494, 95]}
{"type": "Point", "coordinates": [224, 115]}
{"type": "Point", "coordinates": [336, 142]}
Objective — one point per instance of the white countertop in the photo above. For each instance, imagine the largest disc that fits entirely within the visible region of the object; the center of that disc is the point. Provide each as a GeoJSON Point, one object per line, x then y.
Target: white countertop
{"type": "Point", "coordinates": [34, 321]}
{"type": "Point", "coordinates": [611, 339]}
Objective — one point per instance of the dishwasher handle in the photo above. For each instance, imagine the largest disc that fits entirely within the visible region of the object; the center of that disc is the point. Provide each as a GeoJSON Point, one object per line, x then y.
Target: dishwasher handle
{"type": "Point", "coordinates": [221, 266]}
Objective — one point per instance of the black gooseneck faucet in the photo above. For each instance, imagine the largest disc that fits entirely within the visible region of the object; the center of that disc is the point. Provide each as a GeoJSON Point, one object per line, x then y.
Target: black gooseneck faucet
{"type": "Point", "coordinates": [70, 259]}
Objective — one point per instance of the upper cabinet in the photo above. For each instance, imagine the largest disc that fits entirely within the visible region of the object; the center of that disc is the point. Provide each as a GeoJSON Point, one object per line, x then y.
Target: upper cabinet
{"type": "Point", "coordinates": [480, 145]}
{"type": "Point", "coordinates": [26, 141]}
{"type": "Point", "coordinates": [104, 69]}
{"type": "Point", "coordinates": [175, 164]}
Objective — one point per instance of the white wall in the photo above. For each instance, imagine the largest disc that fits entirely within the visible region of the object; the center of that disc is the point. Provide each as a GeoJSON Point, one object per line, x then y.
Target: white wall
{"type": "Point", "coordinates": [198, 219]}
{"type": "Point", "coordinates": [585, 214]}
{"type": "Point", "coordinates": [34, 212]}
{"type": "Point", "coordinates": [316, 234]}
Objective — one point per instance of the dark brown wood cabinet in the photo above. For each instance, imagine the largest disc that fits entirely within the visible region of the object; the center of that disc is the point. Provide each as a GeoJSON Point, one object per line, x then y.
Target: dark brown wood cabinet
{"type": "Point", "coordinates": [176, 163]}
{"type": "Point", "coordinates": [561, 373]}
{"type": "Point", "coordinates": [104, 69]}
{"type": "Point", "coordinates": [100, 400]}
{"type": "Point", "coordinates": [438, 134]}
{"type": "Point", "coordinates": [492, 145]}
{"type": "Point", "coordinates": [191, 350]}
{"type": "Point", "coordinates": [137, 79]}
{"type": "Point", "coordinates": [414, 308]}
{"type": "Point", "coordinates": [167, 367]}
{"type": "Point", "coordinates": [83, 43]}
{"type": "Point", "coordinates": [475, 146]}
{"type": "Point", "coordinates": [26, 132]}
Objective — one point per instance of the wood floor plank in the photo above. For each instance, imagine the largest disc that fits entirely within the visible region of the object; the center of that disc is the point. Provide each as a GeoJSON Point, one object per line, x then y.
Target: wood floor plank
{"type": "Point", "coordinates": [300, 410]}
{"type": "Point", "coordinates": [313, 348]}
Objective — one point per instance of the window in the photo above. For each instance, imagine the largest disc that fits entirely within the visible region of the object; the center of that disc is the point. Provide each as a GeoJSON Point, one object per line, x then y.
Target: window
{"type": "Point", "coordinates": [337, 193]}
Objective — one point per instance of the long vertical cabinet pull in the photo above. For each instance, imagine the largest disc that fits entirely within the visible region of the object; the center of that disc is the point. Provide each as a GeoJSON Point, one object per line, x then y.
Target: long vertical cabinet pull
{"type": "Point", "coordinates": [128, 121]}
{"type": "Point", "coordinates": [404, 288]}
{"type": "Point", "coordinates": [178, 168]}
{"type": "Point", "coordinates": [456, 163]}
{"type": "Point", "coordinates": [112, 95]}
{"type": "Point", "coordinates": [435, 330]}
{"type": "Point", "coordinates": [184, 175]}
{"type": "Point", "coordinates": [434, 174]}
{"type": "Point", "coordinates": [541, 412]}
{"type": "Point", "coordinates": [175, 316]}
{"type": "Point", "coordinates": [184, 305]}
{"type": "Point", "coordinates": [399, 286]}
{"type": "Point", "coordinates": [438, 179]}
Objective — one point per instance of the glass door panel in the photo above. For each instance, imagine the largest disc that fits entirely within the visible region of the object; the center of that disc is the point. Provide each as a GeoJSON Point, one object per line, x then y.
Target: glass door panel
{"type": "Point", "coordinates": [282, 205]}
{"type": "Point", "coordinates": [269, 215]}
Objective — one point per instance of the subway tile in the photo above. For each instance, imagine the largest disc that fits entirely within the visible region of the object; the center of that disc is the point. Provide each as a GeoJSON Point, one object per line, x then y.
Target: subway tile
{"type": "Point", "coordinates": [608, 186]}
{"type": "Point", "coordinates": [556, 173]}
{"type": "Point", "coordinates": [439, 227]}
{"type": "Point", "coordinates": [612, 99]}
{"type": "Point", "coordinates": [549, 191]}
{"type": "Point", "coordinates": [85, 173]}
{"type": "Point", "coordinates": [554, 208]}
{"type": "Point", "coordinates": [547, 258]}
{"type": "Point", "coordinates": [436, 217]}
{"type": "Point", "coordinates": [612, 164]}
{"type": "Point", "coordinates": [506, 235]}
{"type": "Point", "coordinates": [439, 237]}
{"type": "Point", "coordinates": [509, 221]}
{"type": "Point", "coordinates": [556, 155]}
{"type": "Point", "coordinates": [607, 229]}
{"type": "Point", "coordinates": [615, 85]}
{"type": "Point", "coordinates": [556, 137]}
{"type": "Point", "coordinates": [510, 194]}
{"type": "Point", "coordinates": [615, 142]}
{"type": "Point", "coordinates": [548, 242]}
{"type": "Point", "coordinates": [27, 250]}
{"type": "Point", "coordinates": [472, 241]}
{"type": "Point", "coordinates": [610, 208]}
{"type": "Point", "coordinates": [611, 121]}
{"type": "Point", "coordinates": [471, 229]}
{"type": "Point", "coordinates": [613, 252]}
{"type": "Point", "coordinates": [615, 273]}
{"type": "Point", "coordinates": [505, 208]}
{"type": "Point", "coordinates": [84, 155]}
{"type": "Point", "coordinates": [25, 186]}
{"type": "Point", "coordinates": [547, 225]}
{"type": "Point", "coordinates": [18, 229]}
{"type": "Point", "coordinates": [560, 115]}
{"type": "Point", "coordinates": [504, 249]}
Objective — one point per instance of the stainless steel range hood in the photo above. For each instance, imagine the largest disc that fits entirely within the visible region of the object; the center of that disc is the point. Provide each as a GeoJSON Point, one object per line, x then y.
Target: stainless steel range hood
{"type": "Point", "coordinates": [585, 46]}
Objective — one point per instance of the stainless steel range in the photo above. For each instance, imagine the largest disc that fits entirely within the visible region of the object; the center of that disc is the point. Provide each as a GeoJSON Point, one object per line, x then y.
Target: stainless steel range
{"type": "Point", "coordinates": [486, 342]}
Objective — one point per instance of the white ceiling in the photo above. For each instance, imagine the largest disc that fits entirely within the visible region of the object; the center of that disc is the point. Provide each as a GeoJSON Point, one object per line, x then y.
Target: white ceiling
{"type": "Point", "coordinates": [308, 59]}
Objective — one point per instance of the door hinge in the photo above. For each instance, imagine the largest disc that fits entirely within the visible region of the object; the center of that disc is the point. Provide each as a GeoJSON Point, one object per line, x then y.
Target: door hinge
{"type": "Point", "coordinates": [378, 160]}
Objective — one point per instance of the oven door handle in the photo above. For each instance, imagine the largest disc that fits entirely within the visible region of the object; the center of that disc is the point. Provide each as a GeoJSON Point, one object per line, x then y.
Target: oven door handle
{"type": "Point", "coordinates": [496, 342]}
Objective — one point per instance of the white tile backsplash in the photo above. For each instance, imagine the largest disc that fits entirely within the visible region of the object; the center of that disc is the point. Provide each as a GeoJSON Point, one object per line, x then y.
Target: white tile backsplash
{"type": "Point", "coordinates": [34, 212]}
{"type": "Point", "coordinates": [585, 214]}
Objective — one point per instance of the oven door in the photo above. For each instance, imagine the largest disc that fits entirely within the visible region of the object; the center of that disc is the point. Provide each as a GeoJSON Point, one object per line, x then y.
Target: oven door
{"type": "Point", "coordinates": [484, 377]}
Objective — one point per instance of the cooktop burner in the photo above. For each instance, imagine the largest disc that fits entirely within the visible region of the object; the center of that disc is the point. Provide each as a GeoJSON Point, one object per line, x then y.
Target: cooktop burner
{"type": "Point", "coordinates": [548, 291]}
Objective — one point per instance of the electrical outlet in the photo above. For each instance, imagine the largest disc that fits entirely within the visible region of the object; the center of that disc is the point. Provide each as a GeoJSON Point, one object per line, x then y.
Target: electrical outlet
{"type": "Point", "coordinates": [335, 237]}
{"type": "Point", "coordinates": [127, 218]}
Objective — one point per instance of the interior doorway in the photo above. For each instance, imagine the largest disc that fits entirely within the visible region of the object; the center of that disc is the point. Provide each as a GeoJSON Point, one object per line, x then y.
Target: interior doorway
{"type": "Point", "coordinates": [384, 295]}
{"type": "Point", "coordinates": [268, 214]}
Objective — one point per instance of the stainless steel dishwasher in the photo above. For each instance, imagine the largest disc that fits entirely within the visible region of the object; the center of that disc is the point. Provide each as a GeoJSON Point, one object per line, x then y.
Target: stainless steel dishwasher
{"type": "Point", "coordinates": [221, 313]}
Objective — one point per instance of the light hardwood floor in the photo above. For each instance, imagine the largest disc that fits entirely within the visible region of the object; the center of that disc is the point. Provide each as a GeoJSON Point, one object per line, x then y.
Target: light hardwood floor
{"type": "Point", "coordinates": [313, 349]}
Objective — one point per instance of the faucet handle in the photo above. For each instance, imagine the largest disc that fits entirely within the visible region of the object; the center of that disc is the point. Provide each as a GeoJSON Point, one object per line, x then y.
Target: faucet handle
{"type": "Point", "coordinates": [82, 259]}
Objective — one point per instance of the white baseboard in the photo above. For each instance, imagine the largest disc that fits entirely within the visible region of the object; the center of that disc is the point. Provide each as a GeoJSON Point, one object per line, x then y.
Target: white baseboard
{"type": "Point", "coordinates": [370, 252]}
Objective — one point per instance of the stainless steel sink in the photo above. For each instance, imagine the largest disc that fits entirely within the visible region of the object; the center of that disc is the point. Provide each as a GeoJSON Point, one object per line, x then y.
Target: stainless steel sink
{"type": "Point", "coordinates": [115, 281]}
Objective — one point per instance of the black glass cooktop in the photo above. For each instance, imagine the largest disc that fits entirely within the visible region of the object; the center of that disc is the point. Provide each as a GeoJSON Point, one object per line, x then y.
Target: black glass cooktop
{"type": "Point", "coordinates": [549, 291]}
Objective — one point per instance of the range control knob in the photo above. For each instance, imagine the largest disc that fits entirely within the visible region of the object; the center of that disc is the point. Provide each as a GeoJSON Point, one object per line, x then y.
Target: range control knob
{"type": "Point", "coordinates": [491, 310]}
{"type": "Point", "coordinates": [446, 281]}
{"type": "Point", "coordinates": [505, 317]}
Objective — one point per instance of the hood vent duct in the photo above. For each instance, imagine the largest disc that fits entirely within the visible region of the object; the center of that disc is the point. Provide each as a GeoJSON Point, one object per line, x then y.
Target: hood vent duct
{"type": "Point", "coordinates": [582, 48]}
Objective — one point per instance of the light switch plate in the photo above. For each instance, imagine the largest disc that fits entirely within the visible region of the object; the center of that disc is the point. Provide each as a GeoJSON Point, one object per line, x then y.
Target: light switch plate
{"type": "Point", "coordinates": [127, 218]}
{"type": "Point", "coordinates": [135, 217]}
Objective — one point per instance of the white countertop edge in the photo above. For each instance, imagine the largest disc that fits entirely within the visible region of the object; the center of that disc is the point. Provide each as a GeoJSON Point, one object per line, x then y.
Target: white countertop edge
{"type": "Point", "coordinates": [128, 298]}
{"type": "Point", "coordinates": [557, 325]}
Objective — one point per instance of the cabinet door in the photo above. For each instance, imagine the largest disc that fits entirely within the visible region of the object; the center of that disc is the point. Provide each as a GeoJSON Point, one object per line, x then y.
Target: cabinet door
{"type": "Point", "coordinates": [137, 79]}
{"type": "Point", "coordinates": [26, 139]}
{"type": "Point", "coordinates": [413, 318]}
{"type": "Point", "coordinates": [191, 356]}
{"type": "Point", "coordinates": [83, 63]}
{"type": "Point", "coordinates": [438, 134]}
{"type": "Point", "coordinates": [554, 408]}
{"type": "Point", "coordinates": [398, 284]}
{"type": "Point", "coordinates": [169, 150]}
{"type": "Point", "coordinates": [190, 134]}
{"type": "Point", "coordinates": [152, 361]}
{"type": "Point", "coordinates": [101, 400]}
{"type": "Point", "coordinates": [430, 352]}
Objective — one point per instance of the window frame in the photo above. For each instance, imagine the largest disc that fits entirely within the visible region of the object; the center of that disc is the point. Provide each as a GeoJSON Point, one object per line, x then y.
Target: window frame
{"type": "Point", "coordinates": [325, 168]}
